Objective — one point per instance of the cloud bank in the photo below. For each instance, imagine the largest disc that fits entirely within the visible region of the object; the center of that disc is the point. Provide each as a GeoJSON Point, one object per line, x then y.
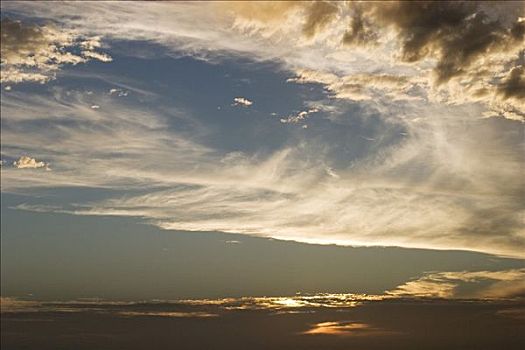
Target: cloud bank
{"type": "Point", "coordinates": [501, 284]}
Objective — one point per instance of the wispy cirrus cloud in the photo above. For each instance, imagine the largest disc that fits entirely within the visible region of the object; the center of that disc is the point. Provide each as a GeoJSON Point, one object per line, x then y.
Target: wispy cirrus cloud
{"type": "Point", "coordinates": [452, 181]}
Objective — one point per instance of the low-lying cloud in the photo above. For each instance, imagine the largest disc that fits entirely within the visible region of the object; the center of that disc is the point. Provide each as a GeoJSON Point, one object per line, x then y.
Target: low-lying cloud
{"type": "Point", "coordinates": [497, 284]}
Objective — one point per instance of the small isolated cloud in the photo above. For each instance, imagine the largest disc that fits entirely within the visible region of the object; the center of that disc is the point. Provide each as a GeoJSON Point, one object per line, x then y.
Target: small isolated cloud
{"type": "Point", "coordinates": [241, 101]}
{"type": "Point", "coordinates": [232, 242]}
{"type": "Point", "coordinates": [118, 92]}
{"type": "Point", "coordinates": [299, 117]}
{"type": "Point", "coordinates": [347, 329]}
{"type": "Point", "coordinates": [95, 107]}
{"type": "Point", "coordinates": [25, 162]}
{"type": "Point", "coordinates": [33, 53]}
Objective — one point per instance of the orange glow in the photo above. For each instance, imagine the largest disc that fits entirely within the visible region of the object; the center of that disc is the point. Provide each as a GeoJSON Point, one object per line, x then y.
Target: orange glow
{"type": "Point", "coordinates": [352, 329]}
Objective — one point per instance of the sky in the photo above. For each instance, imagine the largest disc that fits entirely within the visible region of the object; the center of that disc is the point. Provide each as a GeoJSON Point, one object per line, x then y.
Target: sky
{"type": "Point", "coordinates": [162, 150]}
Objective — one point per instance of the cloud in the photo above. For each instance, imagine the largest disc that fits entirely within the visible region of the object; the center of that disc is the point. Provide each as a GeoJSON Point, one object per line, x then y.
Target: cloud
{"type": "Point", "coordinates": [347, 329]}
{"type": "Point", "coordinates": [501, 284]}
{"type": "Point", "coordinates": [473, 49]}
{"type": "Point", "coordinates": [463, 41]}
{"type": "Point", "coordinates": [456, 52]}
{"type": "Point", "coordinates": [25, 162]}
{"type": "Point", "coordinates": [299, 117]}
{"type": "Point", "coordinates": [97, 55]}
{"type": "Point", "coordinates": [433, 188]}
{"type": "Point", "coordinates": [363, 86]}
{"type": "Point", "coordinates": [457, 33]}
{"type": "Point", "coordinates": [242, 101]}
{"type": "Point", "coordinates": [512, 313]}
{"type": "Point", "coordinates": [118, 92]}
{"type": "Point", "coordinates": [263, 12]}
{"type": "Point", "coordinates": [360, 31]}
{"type": "Point", "coordinates": [166, 314]}
{"type": "Point", "coordinates": [232, 242]}
{"type": "Point", "coordinates": [263, 15]}
{"type": "Point", "coordinates": [32, 53]}
{"type": "Point", "coordinates": [454, 180]}
{"type": "Point", "coordinates": [190, 307]}
{"type": "Point", "coordinates": [332, 173]}
{"type": "Point", "coordinates": [462, 50]}
{"type": "Point", "coordinates": [319, 15]}
{"type": "Point", "coordinates": [17, 305]}
{"type": "Point", "coordinates": [513, 86]}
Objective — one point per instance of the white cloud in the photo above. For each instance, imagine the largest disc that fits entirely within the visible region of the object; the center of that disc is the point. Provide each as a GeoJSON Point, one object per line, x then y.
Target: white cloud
{"type": "Point", "coordinates": [32, 53]}
{"type": "Point", "coordinates": [241, 101]}
{"type": "Point", "coordinates": [233, 242]}
{"type": "Point", "coordinates": [97, 55]}
{"type": "Point", "coordinates": [501, 284]}
{"type": "Point", "coordinates": [299, 117]}
{"type": "Point", "coordinates": [362, 87]}
{"type": "Point", "coordinates": [264, 31]}
{"type": "Point", "coordinates": [454, 181]}
{"type": "Point", "coordinates": [118, 92]}
{"type": "Point", "coordinates": [25, 162]}
{"type": "Point", "coordinates": [332, 173]}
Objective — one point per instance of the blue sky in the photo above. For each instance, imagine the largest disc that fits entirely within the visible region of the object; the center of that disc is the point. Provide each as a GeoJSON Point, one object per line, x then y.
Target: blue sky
{"type": "Point", "coordinates": [282, 121]}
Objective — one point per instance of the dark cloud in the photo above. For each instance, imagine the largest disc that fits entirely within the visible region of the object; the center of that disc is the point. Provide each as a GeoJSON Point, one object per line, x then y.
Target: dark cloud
{"type": "Point", "coordinates": [408, 323]}
{"type": "Point", "coordinates": [501, 225]}
{"type": "Point", "coordinates": [18, 39]}
{"type": "Point", "coordinates": [514, 84]}
{"type": "Point", "coordinates": [456, 33]}
{"type": "Point", "coordinates": [318, 15]}
{"type": "Point", "coordinates": [518, 31]}
{"type": "Point", "coordinates": [360, 32]}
